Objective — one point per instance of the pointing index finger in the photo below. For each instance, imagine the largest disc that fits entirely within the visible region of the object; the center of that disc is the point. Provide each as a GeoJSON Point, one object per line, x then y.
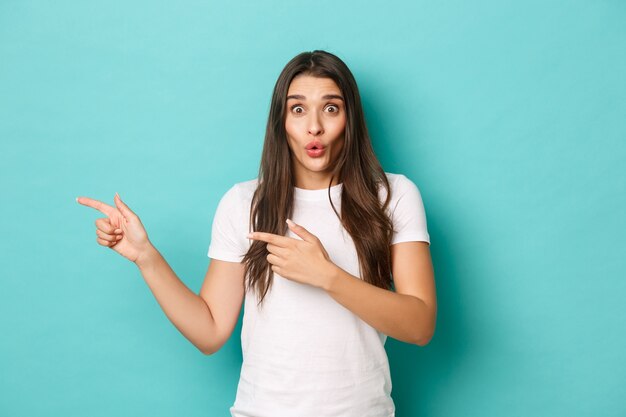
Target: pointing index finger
{"type": "Point", "coordinates": [277, 240]}
{"type": "Point", "coordinates": [96, 204]}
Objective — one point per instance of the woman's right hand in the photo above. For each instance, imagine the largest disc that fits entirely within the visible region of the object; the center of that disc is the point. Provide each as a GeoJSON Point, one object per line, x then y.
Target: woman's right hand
{"type": "Point", "coordinates": [121, 230]}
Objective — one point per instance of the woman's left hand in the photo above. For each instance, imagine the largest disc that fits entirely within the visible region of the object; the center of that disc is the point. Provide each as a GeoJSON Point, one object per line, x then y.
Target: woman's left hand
{"type": "Point", "coordinates": [304, 261]}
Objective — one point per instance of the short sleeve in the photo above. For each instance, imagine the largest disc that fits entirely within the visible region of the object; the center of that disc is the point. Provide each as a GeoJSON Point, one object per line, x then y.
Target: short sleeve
{"type": "Point", "coordinates": [408, 214]}
{"type": "Point", "coordinates": [228, 233]}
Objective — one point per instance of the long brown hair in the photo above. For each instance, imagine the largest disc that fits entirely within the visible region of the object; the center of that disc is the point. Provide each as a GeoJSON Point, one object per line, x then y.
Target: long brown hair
{"type": "Point", "coordinates": [357, 168]}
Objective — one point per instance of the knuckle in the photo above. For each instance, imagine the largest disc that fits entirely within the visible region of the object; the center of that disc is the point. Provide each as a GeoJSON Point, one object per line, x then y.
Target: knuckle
{"type": "Point", "coordinates": [103, 236]}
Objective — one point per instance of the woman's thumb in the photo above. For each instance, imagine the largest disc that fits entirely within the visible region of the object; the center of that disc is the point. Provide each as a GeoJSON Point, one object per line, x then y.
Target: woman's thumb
{"type": "Point", "coordinates": [122, 207]}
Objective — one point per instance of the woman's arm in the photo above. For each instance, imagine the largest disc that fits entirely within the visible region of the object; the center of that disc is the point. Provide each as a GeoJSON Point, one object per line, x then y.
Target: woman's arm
{"type": "Point", "coordinates": [206, 320]}
{"type": "Point", "coordinates": [410, 313]}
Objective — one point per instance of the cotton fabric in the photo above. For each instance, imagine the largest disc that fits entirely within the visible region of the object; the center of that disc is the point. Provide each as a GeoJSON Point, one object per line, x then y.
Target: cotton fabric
{"type": "Point", "coordinates": [304, 354]}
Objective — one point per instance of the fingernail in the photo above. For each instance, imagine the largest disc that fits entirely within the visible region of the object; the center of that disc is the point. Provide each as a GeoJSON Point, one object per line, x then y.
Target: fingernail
{"type": "Point", "coordinates": [249, 235]}
{"type": "Point", "coordinates": [118, 237]}
{"type": "Point", "coordinates": [118, 230]}
{"type": "Point", "coordinates": [290, 223]}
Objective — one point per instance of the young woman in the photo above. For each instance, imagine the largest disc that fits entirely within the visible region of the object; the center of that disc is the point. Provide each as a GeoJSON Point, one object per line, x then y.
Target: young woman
{"type": "Point", "coordinates": [329, 254]}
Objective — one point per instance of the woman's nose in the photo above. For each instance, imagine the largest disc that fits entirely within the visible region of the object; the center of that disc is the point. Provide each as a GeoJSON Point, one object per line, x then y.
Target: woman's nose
{"type": "Point", "coordinates": [315, 126]}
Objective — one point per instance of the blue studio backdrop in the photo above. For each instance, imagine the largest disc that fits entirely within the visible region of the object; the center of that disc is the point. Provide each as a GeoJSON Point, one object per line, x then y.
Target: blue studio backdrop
{"type": "Point", "coordinates": [510, 117]}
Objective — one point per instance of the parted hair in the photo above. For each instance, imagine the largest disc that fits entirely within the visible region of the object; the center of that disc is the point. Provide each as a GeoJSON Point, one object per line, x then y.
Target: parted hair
{"type": "Point", "coordinates": [362, 213]}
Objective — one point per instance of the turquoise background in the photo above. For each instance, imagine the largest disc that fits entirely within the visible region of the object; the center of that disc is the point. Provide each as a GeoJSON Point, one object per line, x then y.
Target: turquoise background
{"type": "Point", "coordinates": [509, 116]}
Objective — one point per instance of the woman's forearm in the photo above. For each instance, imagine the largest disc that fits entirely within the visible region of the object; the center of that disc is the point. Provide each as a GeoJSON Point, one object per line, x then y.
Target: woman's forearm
{"type": "Point", "coordinates": [401, 316]}
{"type": "Point", "coordinates": [185, 309]}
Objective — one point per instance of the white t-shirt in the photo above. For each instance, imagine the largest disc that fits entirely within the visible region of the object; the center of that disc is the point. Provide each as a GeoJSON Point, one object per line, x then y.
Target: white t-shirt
{"type": "Point", "coordinates": [304, 354]}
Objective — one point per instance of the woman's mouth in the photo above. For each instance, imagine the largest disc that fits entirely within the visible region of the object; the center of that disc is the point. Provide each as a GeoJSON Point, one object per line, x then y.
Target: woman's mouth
{"type": "Point", "coordinates": [315, 149]}
{"type": "Point", "coordinates": [315, 152]}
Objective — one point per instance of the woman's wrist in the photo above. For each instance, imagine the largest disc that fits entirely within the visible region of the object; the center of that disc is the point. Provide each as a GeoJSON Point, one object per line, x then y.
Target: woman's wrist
{"type": "Point", "coordinates": [147, 257]}
{"type": "Point", "coordinates": [331, 275]}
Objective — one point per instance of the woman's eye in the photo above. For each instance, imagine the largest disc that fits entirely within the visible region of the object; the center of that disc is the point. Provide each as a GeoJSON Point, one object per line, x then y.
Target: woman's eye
{"type": "Point", "coordinates": [332, 108]}
{"type": "Point", "coordinates": [297, 109]}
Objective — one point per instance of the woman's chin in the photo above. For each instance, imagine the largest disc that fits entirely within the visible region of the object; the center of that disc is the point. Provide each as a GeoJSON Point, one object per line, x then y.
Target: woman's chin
{"type": "Point", "coordinates": [318, 166]}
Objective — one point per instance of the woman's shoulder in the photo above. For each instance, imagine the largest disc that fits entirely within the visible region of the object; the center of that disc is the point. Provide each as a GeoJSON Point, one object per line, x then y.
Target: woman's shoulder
{"type": "Point", "coordinates": [397, 179]}
{"type": "Point", "coordinates": [247, 187]}
{"type": "Point", "coordinates": [399, 183]}
{"type": "Point", "coordinates": [241, 191]}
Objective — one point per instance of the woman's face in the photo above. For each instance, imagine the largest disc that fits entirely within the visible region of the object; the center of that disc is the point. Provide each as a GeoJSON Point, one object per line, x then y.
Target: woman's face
{"type": "Point", "coordinates": [315, 124]}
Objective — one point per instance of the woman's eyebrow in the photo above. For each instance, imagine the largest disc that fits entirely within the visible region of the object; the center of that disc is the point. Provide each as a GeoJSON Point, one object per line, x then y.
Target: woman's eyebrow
{"type": "Point", "coordinates": [326, 97]}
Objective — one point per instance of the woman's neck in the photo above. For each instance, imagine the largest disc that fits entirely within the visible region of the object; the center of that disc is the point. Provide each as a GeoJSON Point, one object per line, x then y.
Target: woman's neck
{"type": "Point", "coordinates": [314, 182]}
